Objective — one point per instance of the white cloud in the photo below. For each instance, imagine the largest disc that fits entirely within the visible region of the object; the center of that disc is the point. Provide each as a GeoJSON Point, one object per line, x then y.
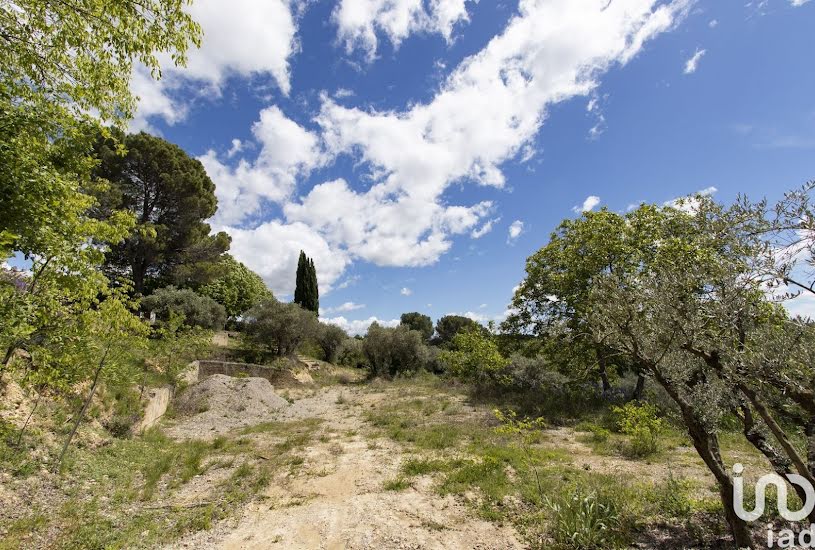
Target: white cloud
{"type": "Point", "coordinates": [237, 147]}
{"type": "Point", "coordinates": [359, 21]}
{"type": "Point", "coordinates": [515, 230]}
{"type": "Point", "coordinates": [798, 3]}
{"type": "Point", "coordinates": [487, 111]}
{"type": "Point", "coordinates": [354, 327]}
{"type": "Point", "coordinates": [288, 151]}
{"type": "Point", "coordinates": [713, 23]}
{"type": "Point", "coordinates": [347, 306]}
{"type": "Point", "coordinates": [588, 205]}
{"type": "Point", "coordinates": [272, 250]}
{"type": "Point", "coordinates": [405, 291]}
{"type": "Point", "coordinates": [241, 38]}
{"type": "Point", "coordinates": [692, 63]}
{"type": "Point", "coordinates": [479, 232]}
{"type": "Point", "coordinates": [689, 203]}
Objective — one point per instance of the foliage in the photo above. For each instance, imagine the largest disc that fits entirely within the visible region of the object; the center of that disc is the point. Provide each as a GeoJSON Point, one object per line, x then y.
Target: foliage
{"type": "Point", "coordinates": [554, 298]}
{"type": "Point", "coordinates": [91, 47]}
{"type": "Point", "coordinates": [392, 351]}
{"type": "Point", "coordinates": [330, 338]}
{"type": "Point", "coordinates": [170, 195]}
{"type": "Point", "coordinates": [420, 322]}
{"type": "Point", "coordinates": [585, 521]}
{"type": "Point", "coordinates": [173, 345]}
{"type": "Point", "coordinates": [474, 357]}
{"type": "Point", "coordinates": [535, 374]}
{"type": "Point", "coordinates": [448, 326]}
{"type": "Point", "coordinates": [238, 288]}
{"type": "Point", "coordinates": [278, 327]}
{"type": "Point", "coordinates": [351, 354]}
{"type": "Point", "coordinates": [197, 310]}
{"type": "Point", "coordinates": [306, 292]}
{"type": "Point", "coordinates": [51, 109]}
{"type": "Point", "coordinates": [639, 421]}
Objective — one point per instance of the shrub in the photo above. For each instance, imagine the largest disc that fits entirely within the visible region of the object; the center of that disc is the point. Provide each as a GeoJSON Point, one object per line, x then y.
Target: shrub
{"type": "Point", "coordinates": [197, 310]}
{"type": "Point", "coordinates": [330, 338]}
{"type": "Point", "coordinates": [475, 358]}
{"type": "Point", "coordinates": [350, 354]}
{"type": "Point", "coordinates": [392, 351]}
{"type": "Point", "coordinates": [279, 327]}
{"type": "Point", "coordinates": [536, 375]}
{"type": "Point", "coordinates": [639, 421]}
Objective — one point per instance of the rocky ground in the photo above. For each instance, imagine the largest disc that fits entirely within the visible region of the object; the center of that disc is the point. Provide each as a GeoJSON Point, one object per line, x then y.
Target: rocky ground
{"type": "Point", "coordinates": [338, 498]}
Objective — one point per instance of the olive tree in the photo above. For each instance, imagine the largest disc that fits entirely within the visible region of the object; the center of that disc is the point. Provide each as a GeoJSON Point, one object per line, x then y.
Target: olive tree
{"type": "Point", "coordinates": [279, 327]}
{"type": "Point", "coordinates": [330, 338]}
{"type": "Point", "coordinates": [392, 351]}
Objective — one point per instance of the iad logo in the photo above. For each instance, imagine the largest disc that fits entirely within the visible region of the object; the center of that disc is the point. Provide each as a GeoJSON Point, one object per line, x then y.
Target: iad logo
{"type": "Point", "coordinates": [785, 538]}
{"type": "Point", "coordinates": [761, 488]}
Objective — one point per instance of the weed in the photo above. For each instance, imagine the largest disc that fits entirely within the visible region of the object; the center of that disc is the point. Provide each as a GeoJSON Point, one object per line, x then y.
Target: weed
{"type": "Point", "coordinates": [397, 484]}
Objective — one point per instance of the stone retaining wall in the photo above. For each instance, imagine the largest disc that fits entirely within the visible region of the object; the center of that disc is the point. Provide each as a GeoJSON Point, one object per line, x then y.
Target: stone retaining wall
{"type": "Point", "coordinates": [208, 368]}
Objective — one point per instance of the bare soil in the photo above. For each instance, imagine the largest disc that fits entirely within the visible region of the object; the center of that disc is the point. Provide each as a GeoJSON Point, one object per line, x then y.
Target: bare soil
{"type": "Point", "coordinates": [337, 498]}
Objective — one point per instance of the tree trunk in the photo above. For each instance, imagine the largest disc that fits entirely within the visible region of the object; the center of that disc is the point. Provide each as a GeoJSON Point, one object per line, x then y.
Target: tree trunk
{"type": "Point", "coordinates": [639, 388]}
{"type": "Point", "coordinates": [779, 462]}
{"type": "Point", "coordinates": [83, 410]}
{"type": "Point", "coordinates": [601, 361]}
{"type": "Point", "coordinates": [707, 445]}
{"type": "Point", "coordinates": [778, 432]}
{"type": "Point", "coordinates": [810, 433]}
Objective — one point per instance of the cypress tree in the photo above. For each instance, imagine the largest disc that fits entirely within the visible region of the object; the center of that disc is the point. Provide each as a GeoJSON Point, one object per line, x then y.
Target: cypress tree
{"type": "Point", "coordinates": [300, 290]}
{"type": "Point", "coordinates": [315, 291]}
{"type": "Point", "coordinates": [306, 293]}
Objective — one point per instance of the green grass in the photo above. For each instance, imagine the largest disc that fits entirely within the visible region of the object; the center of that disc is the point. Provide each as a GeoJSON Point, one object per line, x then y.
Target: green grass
{"type": "Point", "coordinates": [119, 495]}
{"type": "Point", "coordinates": [397, 484]}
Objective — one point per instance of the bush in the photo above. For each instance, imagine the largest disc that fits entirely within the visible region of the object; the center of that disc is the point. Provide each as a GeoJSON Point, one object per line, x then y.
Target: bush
{"type": "Point", "coordinates": [536, 375]}
{"type": "Point", "coordinates": [197, 310]}
{"type": "Point", "coordinates": [278, 327]}
{"type": "Point", "coordinates": [391, 351]}
{"type": "Point", "coordinates": [475, 358]}
{"type": "Point", "coordinates": [639, 421]}
{"type": "Point", "coordinates": [350, 354]}
{"type": "Point", "coordinates": [330, 338]}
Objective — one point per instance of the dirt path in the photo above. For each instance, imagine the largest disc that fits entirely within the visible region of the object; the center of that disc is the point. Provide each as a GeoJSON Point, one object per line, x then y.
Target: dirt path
{"type": "Point", "coordinates": [338, 500]}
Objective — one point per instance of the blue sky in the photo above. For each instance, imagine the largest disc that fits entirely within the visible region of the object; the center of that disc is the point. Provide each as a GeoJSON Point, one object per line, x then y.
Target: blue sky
{"type": "Point", "coordinates": [421, 150]}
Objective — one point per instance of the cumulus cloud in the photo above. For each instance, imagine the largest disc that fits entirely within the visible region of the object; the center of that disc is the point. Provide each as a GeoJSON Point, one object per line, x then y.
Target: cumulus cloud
{"type": "Point", "coordinates": [288, 151]}
{"type": "Point", "coordinates": [359, 21]}
{"type": "Point", "coordinates": [360, 326]}
{"type": "Point", "coordinates": [515, 230]}
{"type": "Point", "coordinates": [588, 205]}
{"type": "Point", "coordinates": [241, 38]}
{"type": "Point", "coordinates": [798, 3]}
{"type": "Point", "coordinates": [405, 291]}
{"type": "Point", "coordinates": [272, 249]}
{"type": "Point", "coordinates": [692, 63]}
{"type": "Point", "coordinates": [486, 112]}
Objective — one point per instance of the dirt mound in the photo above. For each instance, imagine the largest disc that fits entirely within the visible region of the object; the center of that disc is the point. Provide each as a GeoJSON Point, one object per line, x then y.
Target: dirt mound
{"type": "Point", "coordinates": [220, 403]}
